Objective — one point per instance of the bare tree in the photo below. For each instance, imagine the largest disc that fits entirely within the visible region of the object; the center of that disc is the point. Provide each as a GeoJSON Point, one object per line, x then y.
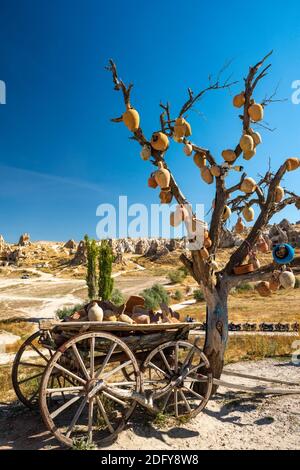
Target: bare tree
{"type": "Point", "coordinates": [266, 194]}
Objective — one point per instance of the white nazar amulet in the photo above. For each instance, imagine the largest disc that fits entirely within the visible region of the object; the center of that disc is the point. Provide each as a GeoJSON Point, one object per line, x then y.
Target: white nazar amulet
{"type": "Point", "coordinates": [95, 312]}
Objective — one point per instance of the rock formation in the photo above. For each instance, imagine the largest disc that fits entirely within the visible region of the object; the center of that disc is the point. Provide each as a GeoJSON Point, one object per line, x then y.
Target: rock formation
{"type": "Point", "coordinates": [70, 244]}
{"type": "Point", "coordinates": [24, 239]}
{"type": "Point", "coordinates": [80, 255]}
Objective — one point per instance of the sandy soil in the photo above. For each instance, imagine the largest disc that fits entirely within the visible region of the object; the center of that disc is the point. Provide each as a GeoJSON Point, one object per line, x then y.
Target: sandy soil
{"type": "Point", "coordinates": [232, 420]}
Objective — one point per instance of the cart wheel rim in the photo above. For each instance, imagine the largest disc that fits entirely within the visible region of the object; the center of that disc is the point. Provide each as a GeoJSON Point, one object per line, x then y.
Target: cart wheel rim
{"type": "Point", "coordinates": [171, 372]}
{"type": "Point", "coordinates": [94, 413]}
{"type": "Point", "coordinates": [27, 372]}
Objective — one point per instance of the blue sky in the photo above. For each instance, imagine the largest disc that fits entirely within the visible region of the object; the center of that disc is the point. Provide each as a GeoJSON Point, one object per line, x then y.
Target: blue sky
{"type": "Point", "coordinates": [60, 156]}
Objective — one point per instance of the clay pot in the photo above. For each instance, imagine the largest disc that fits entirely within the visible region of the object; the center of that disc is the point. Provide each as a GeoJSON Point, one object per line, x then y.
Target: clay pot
{"type": "Point", "coordinates": [292, 164]}
{"type": "Point", "coordinates": [206, 175]}
{"type": "Point", "coordinates": [152, 182]}
{"type": "Point", "coordinates": [243, 269]}
{"type": "Point", "coordinates": [248, 186]}
{"type": "Point", "coordinates": [95, 313]}
{"type": "Point", "coordinates": [131, 119]}
{"type": "Point", "coordinates": [166, 196]}
{"type": "Point", "coordinates": [248, 154]}
{"type": "Point", "coordinates": [109, 315]}
{"type": "Point", "coordinates": [180, 215]}
{"type": "Point", "coordinates": [141, 319]}
{"type": "Point", "coordinates": [239, 226]}
{"type": "Point", "coordinates": [125, 318]}
{"type": "Point", "coordinates": [204, 253]}
{"type": "Point", "coordinates": [200, 160]}
{"type": "Point", "coordinates": [188, 149]}
{"type": "Point", "coordinates": [248, 213]}
{"type": "Point", "coordinates": [246, 143]}
{"type": "Point", "coordinates": [226, 213]}
{"type": "Point", "coordinates": [179, 140]}
{"type": "Point", "coordinates": [262, 245]}
{"type": "Point", "coordinates": [215, 170]}
{"type": "Point", "coordinates": [287, 280]}
{"type": "Point", "coordinates": [159, 141]}
{"type": "Point", "coordinates": [263, 288]}
{"type": "Point", "coordinates": [162, 176]}
{"type": "Point", "coordinates": [255, 261]}
{"type": "Point", "coordinates": [274, 283]}
{"type": "Point", "coordinates": [229, 155]}
{"type": "Point", "coordinates": [146, 152]}
{"type": "Point", "coordinates": [256, 137]}
{"type": "Point", "coordinates": [182, 128]}
{"type": "Point", "coordinates": [279, 194]}
{"type": "Point", "coordinates": [297, 204]}
{"type": "Point", "coordinates": [239, 100]}
{"type": "Point", "coordinates": [256, 112]}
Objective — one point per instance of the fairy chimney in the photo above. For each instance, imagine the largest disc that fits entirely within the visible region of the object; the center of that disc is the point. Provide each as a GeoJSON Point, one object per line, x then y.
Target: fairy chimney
{"type": "Point", "coordinates": [80, 255]}
{"type": "Point", "coordinates": [24, 239]}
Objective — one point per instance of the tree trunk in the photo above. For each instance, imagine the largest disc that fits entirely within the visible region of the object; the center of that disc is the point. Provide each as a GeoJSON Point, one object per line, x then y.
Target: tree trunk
{"type": "Point", "coordinates": [216, 331]}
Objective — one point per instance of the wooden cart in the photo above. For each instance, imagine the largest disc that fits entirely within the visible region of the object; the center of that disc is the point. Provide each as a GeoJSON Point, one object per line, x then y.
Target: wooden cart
{"type": "Point", "coordinates": [88, 377]}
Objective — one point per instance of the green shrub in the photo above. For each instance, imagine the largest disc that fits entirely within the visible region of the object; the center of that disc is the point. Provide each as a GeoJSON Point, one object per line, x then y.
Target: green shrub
{"type": "Point", "coordinates": [117, 297]}
{"type": "Point", "coordinates": [154, 296]}
{"type": "Point", "coordinates": [177, 276]}
{"type": "Point", "coordinates": [67, 311]}
{"type": "Point", "coordinates": [198, 295]}
{"type": "Point", "coordinates": [178, 295]}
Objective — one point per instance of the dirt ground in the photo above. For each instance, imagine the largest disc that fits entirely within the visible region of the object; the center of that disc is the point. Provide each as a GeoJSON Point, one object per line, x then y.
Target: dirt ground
{"type": "Point", "coordinates": [232, 420]}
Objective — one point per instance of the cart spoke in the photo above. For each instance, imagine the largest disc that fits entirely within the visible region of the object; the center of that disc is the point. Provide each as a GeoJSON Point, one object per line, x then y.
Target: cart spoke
{"type": "Point", "coordinates": [124, 384]}
{"type": "Point", "coordinates": [165, 361]}
{"type": "Point", "coordinates": [194, 369]}
{"type": "Point", "coordinates": [77, 416]}
{"type": "Point", "coordinates": [176, 358]}
{"type": "Point", "coordinates": [30, 378]}
{"type": "Point", "coordinates": [154, 366]}
{"type": "Point", "coordinates": [116, 369]}
{"type": "Point", "coordinates": [104, 414]}
{"type": "Point", "coordinates": [185, 401]}
{"type": "Point", "coordinates": [166, 401]}
{"type": "Point", "coordinates": [68, 372]}
{"type": "Point", "coordinates": [39, 353]}
{"type": "Point", "coordinates": [190, 390]}
{"type": "Point", "coordinates": [92, 357]}
{"type": "Point", "coordinates": [64, 406]}
{"type": "Point", "coordinates": [188, 358]}
{"type": "Point", "coordinates": [65, 389]}
{"type": "Point", "coordinates": [90, 423]}
{"type": "Point", "coordinates": [80, 361]}
{"type": "Point", "coordinates": [34, 395]}
{"type": "Point", "coordinates": [107, 358]}
{"type": "Point", "coordinates": [117, 400]}
{"type": "Point", "coordinates": [176, 402]}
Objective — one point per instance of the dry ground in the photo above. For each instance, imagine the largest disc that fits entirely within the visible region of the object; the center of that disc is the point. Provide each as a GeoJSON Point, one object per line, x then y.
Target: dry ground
{"type": "Point", "coordinates": [232, 420]}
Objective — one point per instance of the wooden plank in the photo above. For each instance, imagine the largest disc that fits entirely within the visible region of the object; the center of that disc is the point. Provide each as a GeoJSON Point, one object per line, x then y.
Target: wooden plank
{"type": "Point", "coordinates": [115, 326]}
{"type": "Point", "coordinates": [258, 389]}
{"type": "Point", "coordinates": [261, 379]}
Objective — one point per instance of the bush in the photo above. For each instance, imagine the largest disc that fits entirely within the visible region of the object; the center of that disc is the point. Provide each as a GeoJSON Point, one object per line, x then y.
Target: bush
{"type": "Point", "coordinates": [117, 297]}
{"type": "Point", "coordinates": [177, 276]}
{"type": "Point", "coordinates": [178, 295]}
{"type": "Point", "coordinates": [198, 295]}
{"type": "Point", "coordinates": [154, 296]}
{"type": "Point", "coordinates": [67, 311]}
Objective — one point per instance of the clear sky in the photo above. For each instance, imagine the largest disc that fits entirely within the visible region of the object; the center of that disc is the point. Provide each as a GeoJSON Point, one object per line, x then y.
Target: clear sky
{"type": "Point", "coordinates": [60, 156]}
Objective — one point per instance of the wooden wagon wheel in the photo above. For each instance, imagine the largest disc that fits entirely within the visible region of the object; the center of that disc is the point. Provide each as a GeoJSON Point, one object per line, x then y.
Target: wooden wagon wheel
{"type": "Point", "coordinates": [169, 374]}
{"type": "Point", "coordinates": [28, 368]}
{"type": "Point", "coordinates": [86, 410]}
